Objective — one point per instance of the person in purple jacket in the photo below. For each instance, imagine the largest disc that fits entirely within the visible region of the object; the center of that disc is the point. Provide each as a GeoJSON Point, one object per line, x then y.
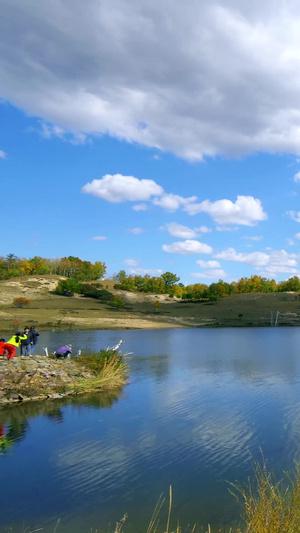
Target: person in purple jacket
{"type": "Point", "coordinates": [64, 351]}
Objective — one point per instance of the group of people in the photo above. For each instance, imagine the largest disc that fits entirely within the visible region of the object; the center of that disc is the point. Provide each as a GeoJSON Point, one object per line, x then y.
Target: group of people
{"type": "Point", "coordinates": [26, 341]}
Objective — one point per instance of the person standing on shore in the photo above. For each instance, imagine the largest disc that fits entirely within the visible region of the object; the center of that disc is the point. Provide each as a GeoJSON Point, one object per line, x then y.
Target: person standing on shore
{"type": "Point", "coordinates": [13, 343]}
{"type": "Point", "coordinates": [26, 343]}
{"type": "Point", "coordinates": [33, 337]}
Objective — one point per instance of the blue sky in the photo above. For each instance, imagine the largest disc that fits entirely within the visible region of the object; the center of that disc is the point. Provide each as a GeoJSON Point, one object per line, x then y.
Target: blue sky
{"type": "Point", "coordinates": [161, 138]}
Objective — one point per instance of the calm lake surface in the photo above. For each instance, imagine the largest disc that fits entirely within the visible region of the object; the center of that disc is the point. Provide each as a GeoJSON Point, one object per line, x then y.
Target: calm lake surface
{"type": "Point", "coordinates": [200, 405]}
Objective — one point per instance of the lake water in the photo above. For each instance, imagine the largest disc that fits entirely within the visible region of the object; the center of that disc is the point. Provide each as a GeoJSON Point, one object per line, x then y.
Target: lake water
{"type": "Point", "coordinates": [200, 405]}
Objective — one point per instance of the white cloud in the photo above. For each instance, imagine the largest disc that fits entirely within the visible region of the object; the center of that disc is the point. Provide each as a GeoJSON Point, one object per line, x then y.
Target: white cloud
{"type": "Point", "coordinates": [246, 210]}
{"type": "Point", "coordinates": [208, 264]}
{"type": "Point", "coordinates": [277, 261]}
{"type": "Point", "coordinates": [206, 78]}
{"type": "Point", "coordinates": [183, 232]}
{"type": "Point", "coordinates": [118, 188]}
{"type": "Point", "coordinates": [131, 262]}
{"type": "Point", "coordinates": [290, 242]}
{"type": "Point", "coordinates": [172, 202]}
{"type": "Point", "coordinates": [2, 154]}
{"type": "Point", "coordinates": [145, 271]}
{"type": "Point", "coordinates": [227, 228]}
{"type": "Point", "coordinates": [297, 177]}
{"type": "Point", "coordinates": [217, 273]}
{"type": "Point", "coordinates": [294, 215]}
{"type": "Point", "coordinates": [136, 231]}
{"type": "Point", "coordinates": [99, 238]}
{"type": "Point", "coordinates": [252, 258]}
{"type": "Point", "coordinates": [203, 229]}
{"type": "Point", "coordinates": [140, 207]}
{"type": "Point", "coordinates": [297, 235]}
{"type": "Point", "coordinates": [187, 247]}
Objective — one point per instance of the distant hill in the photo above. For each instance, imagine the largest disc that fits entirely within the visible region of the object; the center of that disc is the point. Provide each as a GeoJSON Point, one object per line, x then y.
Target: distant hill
{"type": "Point", "coordinates": [47, 309]}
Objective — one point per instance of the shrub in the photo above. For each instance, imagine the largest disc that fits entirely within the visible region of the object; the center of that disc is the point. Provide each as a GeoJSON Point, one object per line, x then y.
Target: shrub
{"type": "Point", "coordinates": [104, 295]}
{"type": "Point", "coordinates": [89, 290]}
{"type": "Point", "coordinates": [21, 302]}
{"type": "Point", "coordinates": [67, 287]}
{"type": "Point", "coordinates": [117, 302]}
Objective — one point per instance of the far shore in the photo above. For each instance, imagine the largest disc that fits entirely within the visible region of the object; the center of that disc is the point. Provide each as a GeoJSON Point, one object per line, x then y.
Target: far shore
{"type": "Point", "coordinates": [140, 311]}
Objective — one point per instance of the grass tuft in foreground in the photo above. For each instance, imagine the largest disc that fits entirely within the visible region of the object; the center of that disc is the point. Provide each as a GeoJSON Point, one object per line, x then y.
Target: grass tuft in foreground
{"type": "Point", "coordinates": [108, 368]}
{"type": "Point", "coordinates": [270, 506]}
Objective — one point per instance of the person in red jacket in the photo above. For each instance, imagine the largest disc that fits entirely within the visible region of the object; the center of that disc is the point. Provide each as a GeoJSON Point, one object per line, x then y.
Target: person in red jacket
{"type": "Point", "coordinates": [2, 347]}
{"type": "Point", "coordinates": [12, 344]}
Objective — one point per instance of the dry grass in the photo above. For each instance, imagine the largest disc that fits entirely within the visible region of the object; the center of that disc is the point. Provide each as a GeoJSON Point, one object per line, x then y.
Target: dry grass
{"type": "Point", "coordinates": [108, 368]}
{"type": "Point", "coordinates": [270, 506]}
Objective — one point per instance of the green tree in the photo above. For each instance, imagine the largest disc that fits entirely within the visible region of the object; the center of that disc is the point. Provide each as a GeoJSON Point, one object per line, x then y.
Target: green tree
{"type": "Point", "coordinates": [292, 284]}
{"type": "Point", "coordinates": [121, 276]}
{"type": "Point", "coordinates": [169, 280]}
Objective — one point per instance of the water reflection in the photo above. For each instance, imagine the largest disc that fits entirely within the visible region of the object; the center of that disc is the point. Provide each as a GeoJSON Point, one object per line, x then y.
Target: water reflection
{"type": "Point", "coordinates": [14, 420]}
{"type": "Point", "coordinates": [200, 405]}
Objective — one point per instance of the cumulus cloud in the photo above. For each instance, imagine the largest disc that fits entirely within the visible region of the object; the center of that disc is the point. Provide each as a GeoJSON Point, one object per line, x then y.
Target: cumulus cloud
{"type": "Point", "coordinates": [188, 246]}
{"type": "Point", "coordinates": [118, 188]}
{"type": "Point", "coordinates": [99, 238]}
{"type": "Point", "coordinates": [297, 177]}
{"type": "Point", "coordinates": [131, 262]}
{"type": "Point", "coordinates": [172, 202]}
{"type": "Point", "coordinates": [205, 78]}
{"type": "Point", "coordinates": [2, 154]}
{"type": "Point", "coordinates": [183, 232]}
{"type": "Point", "coordinates": [272, 263]}
{"type": "Point", "coordinates": [217, 273]}
{"type": "Point", "coordinates": [253, 258]}
{"type": "Point", "coordinates": [245, 211]}
{"type": "Point", "coordinates": [208, 264]}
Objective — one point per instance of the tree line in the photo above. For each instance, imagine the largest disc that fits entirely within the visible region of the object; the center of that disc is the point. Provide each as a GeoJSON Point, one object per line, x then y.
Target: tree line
{"type": "Point", "coordinates": [74, 268]}
{"type": "Point", "coordinates": [70, 267]}
{"type": "Point", "coordinates": [167, 283]}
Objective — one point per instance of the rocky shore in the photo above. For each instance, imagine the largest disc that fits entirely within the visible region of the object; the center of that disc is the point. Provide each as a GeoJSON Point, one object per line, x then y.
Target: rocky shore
{"type": "Point", "coordinates": [39, 378]}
